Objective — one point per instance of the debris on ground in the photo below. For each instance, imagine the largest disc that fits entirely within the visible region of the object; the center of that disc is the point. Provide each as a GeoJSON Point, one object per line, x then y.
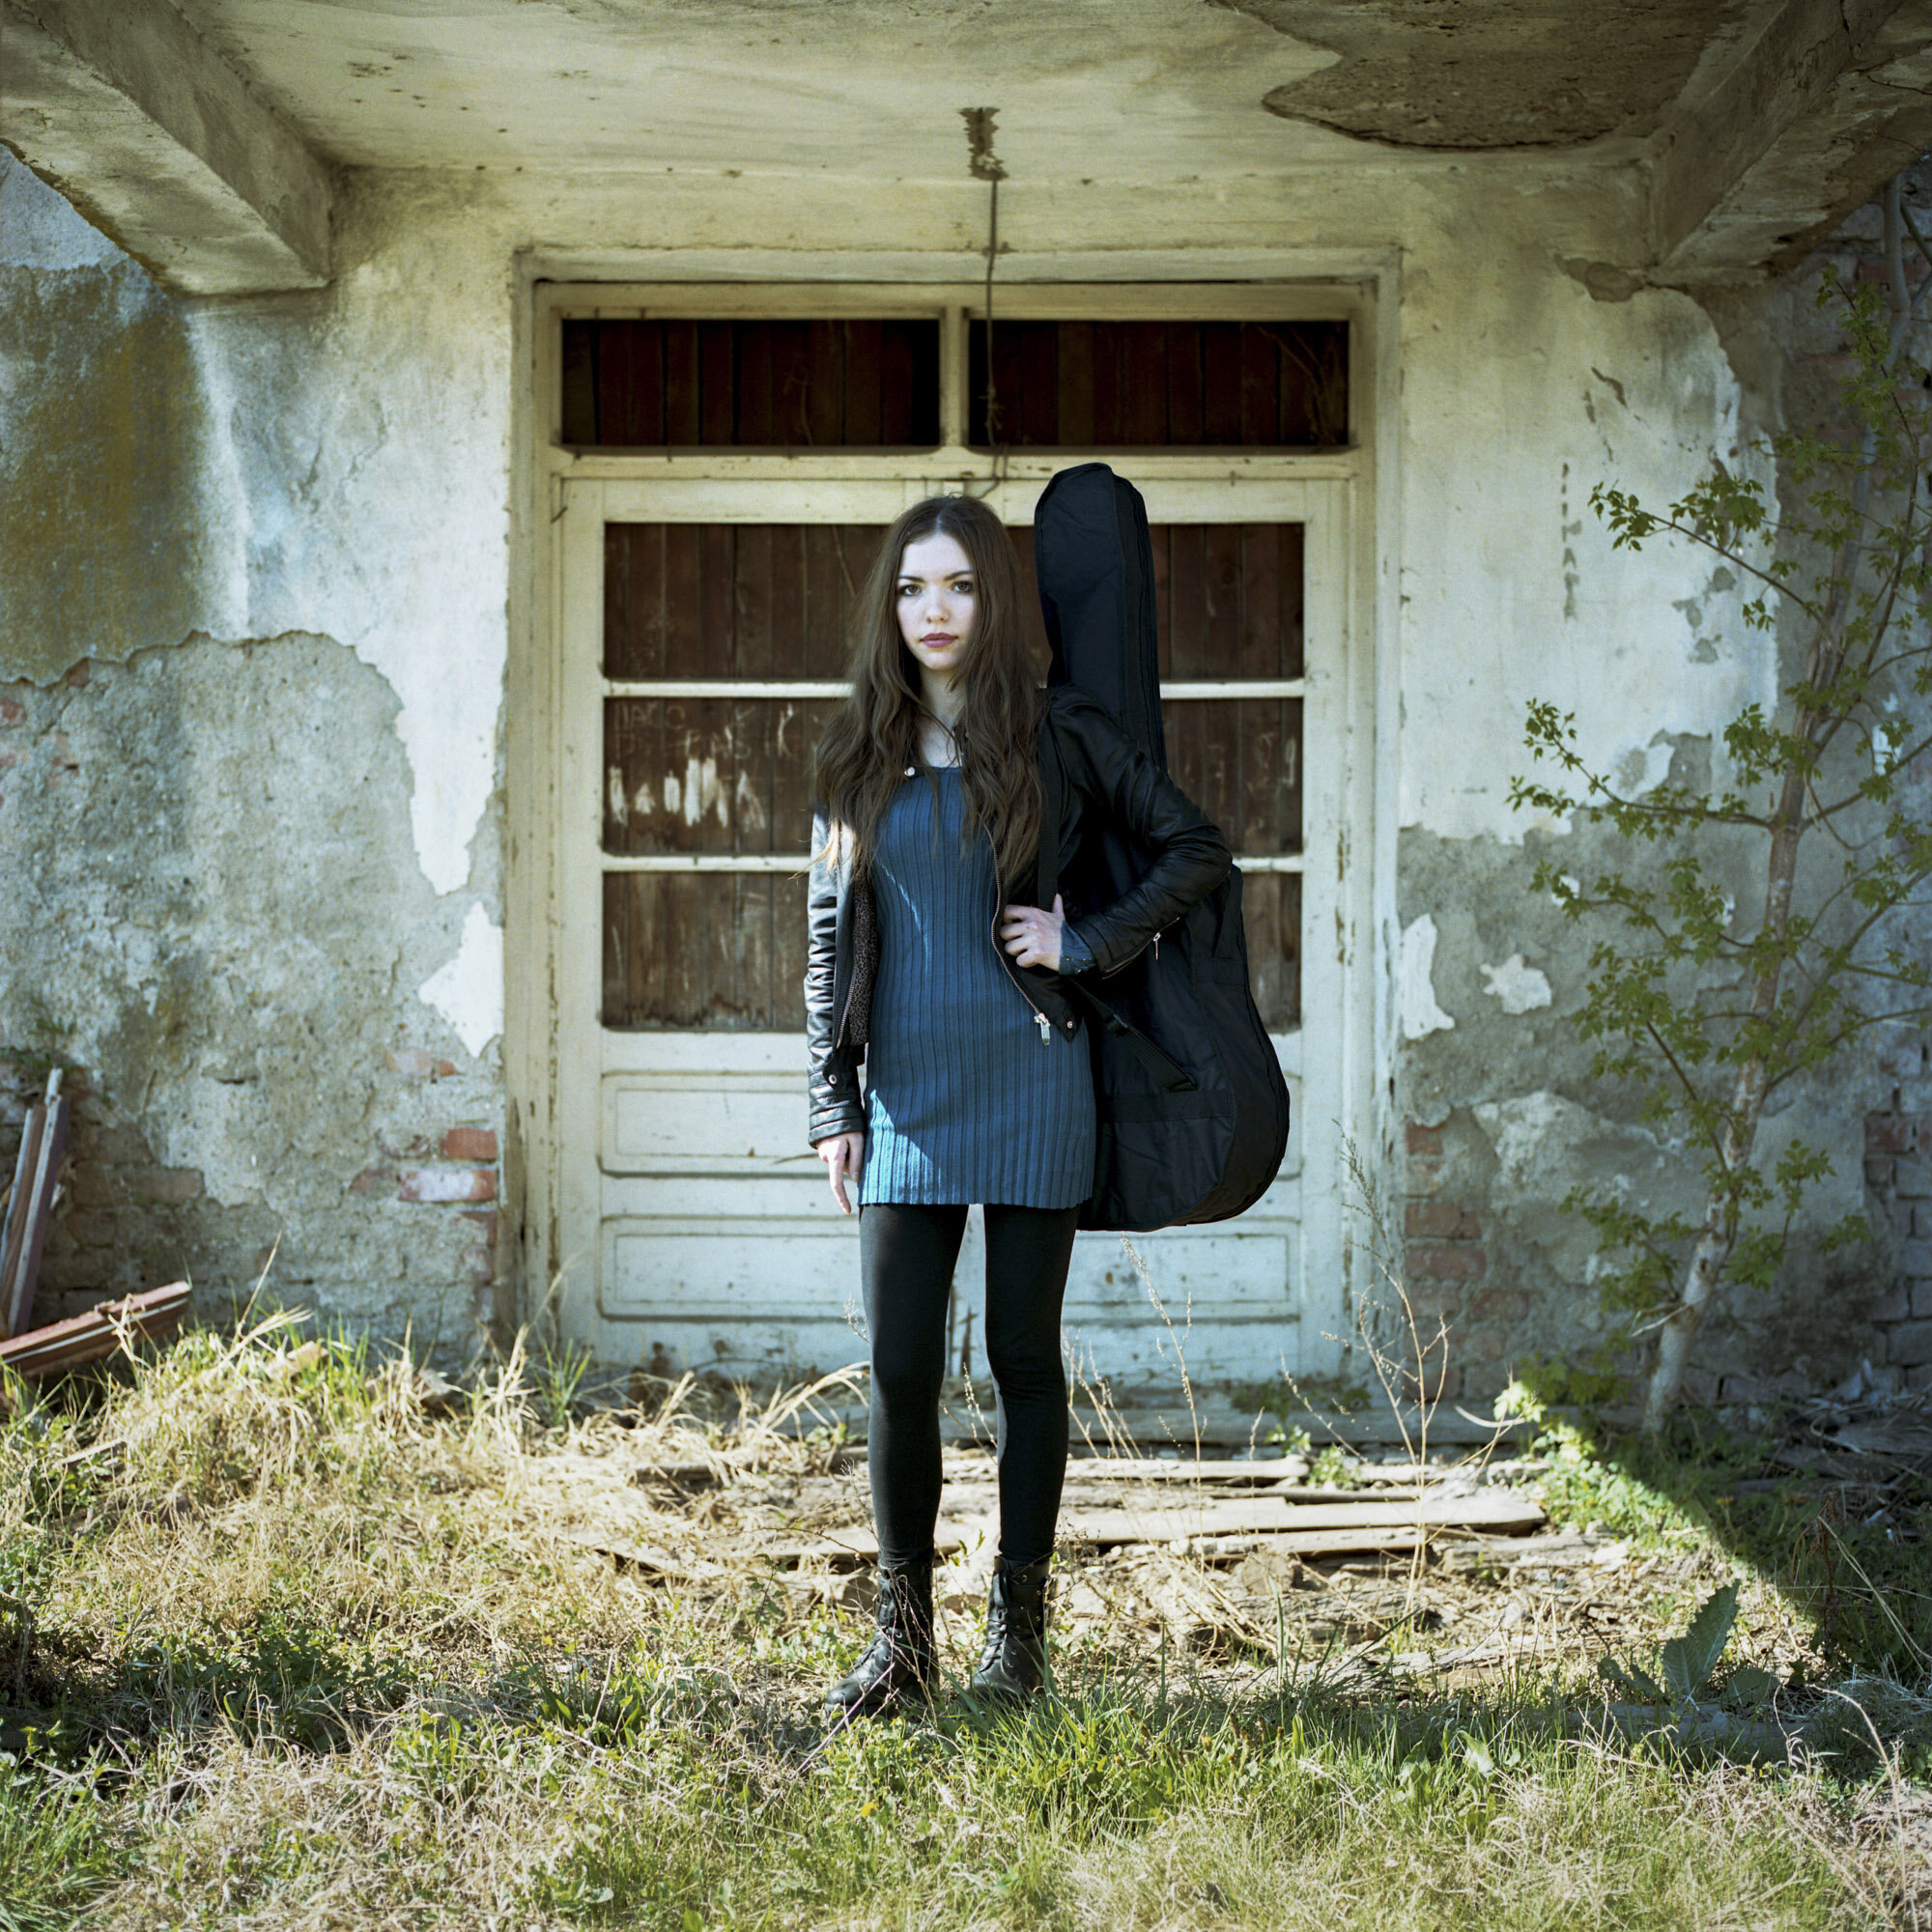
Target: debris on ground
{"type": "Point", "coordinates": [109, 1328]}
{"type": "Point", "coordinates": [106, 1329]}
{"type": "Point", "coordinates": [1390, 1564]}
{"type": "Point", "coordinates": [30, 1205]}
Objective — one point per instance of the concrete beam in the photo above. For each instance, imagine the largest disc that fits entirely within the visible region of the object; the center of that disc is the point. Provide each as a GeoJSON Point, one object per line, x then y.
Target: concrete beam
{"type": "Point", "coordinates": [129, 112]}
{"type": "Point", "coordinates": [1824, 100]}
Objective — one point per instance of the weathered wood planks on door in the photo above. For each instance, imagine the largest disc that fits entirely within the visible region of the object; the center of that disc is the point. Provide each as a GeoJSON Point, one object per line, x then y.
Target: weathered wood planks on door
{"type": "Point", "coordinates": [1160, 385]}
{"type": "Point", "coordinates": [713, 949]}
{"type": "Point", "coordinates": [686, 383]}
{"type": "Point", "coordinates": [732, 600]}
{"type": "Point", "coordinates": [769, 603]}
{"type": "Point", "coordinates": [675, 383]}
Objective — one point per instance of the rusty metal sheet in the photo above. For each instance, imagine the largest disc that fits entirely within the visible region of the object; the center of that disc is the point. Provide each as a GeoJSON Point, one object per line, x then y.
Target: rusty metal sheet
{"type": "Point", "coordinates": [99, 1333]}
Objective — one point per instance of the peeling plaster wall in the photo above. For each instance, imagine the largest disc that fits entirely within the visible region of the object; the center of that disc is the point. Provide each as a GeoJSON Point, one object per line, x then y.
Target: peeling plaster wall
{"type": "Point", "coordinates": [252, 638]}
{"type": "Point", "coordinates": [1520, 392]}
{"type": "Point", "coordinates": [336, 462]}
{"type": "Point", "coordinates": [250, 710]}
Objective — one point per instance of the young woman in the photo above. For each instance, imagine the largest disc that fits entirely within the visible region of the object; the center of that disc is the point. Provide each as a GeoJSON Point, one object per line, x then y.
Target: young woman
{"type": "Point", "coordinates": [931, 959]}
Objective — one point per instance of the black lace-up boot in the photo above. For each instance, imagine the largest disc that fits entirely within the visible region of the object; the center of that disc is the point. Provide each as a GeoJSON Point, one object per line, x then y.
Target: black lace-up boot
{"type": "Point", "coordinates": [1012, 1666]}
{"type": "Point", "coordinates": [899, 1666]}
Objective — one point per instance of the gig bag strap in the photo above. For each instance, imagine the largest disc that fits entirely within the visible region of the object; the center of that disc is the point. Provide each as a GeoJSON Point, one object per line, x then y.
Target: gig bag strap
{"type": "Point", "coordinates": [1052, 803]}
{"type": "Point", "coordinates": [1168, 1075]}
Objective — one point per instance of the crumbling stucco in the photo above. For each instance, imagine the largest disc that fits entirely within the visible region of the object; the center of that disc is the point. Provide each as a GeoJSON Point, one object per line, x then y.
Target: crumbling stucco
{"type": "Point", "coordinates": [468, 989]}
{"type": "Point", "coordinates": [1415, 992]}
{"type": "Point", "coordinates": [1490, 73]}
{"type": "Point", "coordinates": [334, 462]}
{"type": "Point", "coordinates": [217, 917]}
{"type": "Point", "coordinates": [251, 656]}
{"type": "Point", "coordinates": [1512, 591]}
{"type": "Point", "coordinates": [1505, 1082]}
{"type": "Point", "coordinates": [110, 541]}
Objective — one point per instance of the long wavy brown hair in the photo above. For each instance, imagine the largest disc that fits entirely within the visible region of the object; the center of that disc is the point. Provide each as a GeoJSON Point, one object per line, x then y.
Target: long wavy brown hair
{"type": "Point", "coordinates": [862, 760]}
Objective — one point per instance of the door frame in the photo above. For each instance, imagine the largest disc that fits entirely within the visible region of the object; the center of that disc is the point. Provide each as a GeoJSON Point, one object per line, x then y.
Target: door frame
{"type": "Point", "coordinates": [1357, 844]}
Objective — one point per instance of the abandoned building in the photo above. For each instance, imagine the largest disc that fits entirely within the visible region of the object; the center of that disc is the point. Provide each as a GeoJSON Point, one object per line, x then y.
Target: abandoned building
{"type": "Point", "coordinates": [436, 443]}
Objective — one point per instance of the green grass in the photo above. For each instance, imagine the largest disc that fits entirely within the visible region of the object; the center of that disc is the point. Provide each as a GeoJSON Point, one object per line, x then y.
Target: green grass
{"type": "Point", "coordinates": [1098, 1815]}
{"type": "Point", "coordinates": [61, 1848]}
{"type": "Point", "coordinates": [294, 1654]}
{"type": "Point", "coordinates": [1865, 1591]}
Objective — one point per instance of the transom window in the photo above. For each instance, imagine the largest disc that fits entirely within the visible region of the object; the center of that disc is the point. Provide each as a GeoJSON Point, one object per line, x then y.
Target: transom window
{"type": "Point", "coordinates": [680, 383]}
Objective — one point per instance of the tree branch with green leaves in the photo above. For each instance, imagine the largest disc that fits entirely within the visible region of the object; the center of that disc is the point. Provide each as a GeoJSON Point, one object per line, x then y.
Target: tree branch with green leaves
{"type": "Point", "coordinates": [1703, 1006]}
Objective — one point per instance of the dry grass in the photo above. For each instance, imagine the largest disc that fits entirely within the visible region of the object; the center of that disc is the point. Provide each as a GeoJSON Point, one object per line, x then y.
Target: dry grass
{"type": "Point", "coordinates": [292, 1644]}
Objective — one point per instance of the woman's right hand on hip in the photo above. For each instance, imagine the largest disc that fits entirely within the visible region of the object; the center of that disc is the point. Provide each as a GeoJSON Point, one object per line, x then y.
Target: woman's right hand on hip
{"type": "Point", "coordinates": [843, 1155]}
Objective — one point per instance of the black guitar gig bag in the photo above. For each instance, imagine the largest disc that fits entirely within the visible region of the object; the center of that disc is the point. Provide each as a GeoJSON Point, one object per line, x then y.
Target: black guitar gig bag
{"type": "Point", "coordinates": [1192, 1106]}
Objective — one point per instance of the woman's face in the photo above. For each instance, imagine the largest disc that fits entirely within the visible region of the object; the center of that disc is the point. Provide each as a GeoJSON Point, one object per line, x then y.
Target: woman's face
{"type": "Point", "coordinates": [935, 600]}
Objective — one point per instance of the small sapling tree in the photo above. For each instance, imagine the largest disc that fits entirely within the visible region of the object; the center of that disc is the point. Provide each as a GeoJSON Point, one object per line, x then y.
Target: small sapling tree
{"type": "Point", "coordinates": [1707, 1009]}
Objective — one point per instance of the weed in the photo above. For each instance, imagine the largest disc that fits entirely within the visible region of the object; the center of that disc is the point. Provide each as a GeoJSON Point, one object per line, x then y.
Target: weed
{"type": "Point", "coordinates": [558, 1374]}
{"type": "Point", "coordinates": [1685, 1662]}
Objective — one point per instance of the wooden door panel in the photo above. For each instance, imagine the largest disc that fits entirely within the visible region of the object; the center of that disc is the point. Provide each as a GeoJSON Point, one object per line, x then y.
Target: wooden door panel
{"type": "Point", "coordinates": [1159, 384]}
{"type": "Point", "coordinates": [1272, 914]}
{"type": "Point", "coordinates": [728, 778]}
{"type": "Point", "coordinates": [709, 774]}
{"type": "Point", "coordinates": [720, 1125]}
{"type": "Point", "coordinates": [753, 601]}
{"type": "Point", "coordinates": [731, 1278]}
{"type": "Point", "coordinates": [1238, 759]}
{"type": "Point", "coordinates": [804, 385]}
{"type": "Point", "coordinates": [703, 950]}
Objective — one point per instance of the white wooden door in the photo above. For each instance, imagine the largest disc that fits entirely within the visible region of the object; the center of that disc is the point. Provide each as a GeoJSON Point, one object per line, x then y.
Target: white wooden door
{"type": "Point", "coordinates": [695, 1229]}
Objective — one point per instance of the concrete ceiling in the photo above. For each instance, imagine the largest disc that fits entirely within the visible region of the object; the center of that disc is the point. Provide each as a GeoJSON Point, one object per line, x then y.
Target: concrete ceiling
{"type": "Point", "coordinates": [1749, 122]}
{"type": "Point", "coordinates": [1137, 88]}
{"type": "Point", "coordinates": [869, 87]}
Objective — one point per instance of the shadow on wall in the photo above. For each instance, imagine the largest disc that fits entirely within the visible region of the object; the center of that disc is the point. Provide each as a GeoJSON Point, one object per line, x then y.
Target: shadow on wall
{"type": "Point", "coordinates": [102, 421]}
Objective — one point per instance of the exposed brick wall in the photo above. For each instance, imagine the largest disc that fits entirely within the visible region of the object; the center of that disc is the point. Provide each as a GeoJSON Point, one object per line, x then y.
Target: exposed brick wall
{"type": "Point", "coordinates": [1445, 1272]}
{"type": "Point", "coordinates": [1898, 1178]}
{"type": "Point", "coordinates": [126, 1221]}
{"type": "Point", "coordinates": [454, 1171]}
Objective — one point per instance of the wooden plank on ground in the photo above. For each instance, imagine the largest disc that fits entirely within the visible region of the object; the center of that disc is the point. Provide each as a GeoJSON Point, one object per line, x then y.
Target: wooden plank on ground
{"type": "Point", "coordinates": [1186, 1469]}
{"type": "Point", "coordinates": [1307, 1543]}
{"type": "Point", "coordinates": [1217, 1425]}
{"type": "Point", "coordinates": [1310, 1530]}
{"type": "Point", "coordinates": [1221, 1426]}
{"type": "Point", "coordinates": [1282, 1475]}
{"type": "Point", "coordinates": [20, 1215]}
{"type": "Point", "coordinates": [48, 1124]}
{"type": "Point", "coordinates": [87, 1338]}
{"type": "Point", "coordinates": [1495, 1511]}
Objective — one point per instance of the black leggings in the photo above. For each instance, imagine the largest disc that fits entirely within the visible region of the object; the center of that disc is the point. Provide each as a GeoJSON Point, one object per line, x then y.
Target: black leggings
{"type": "Point", "coordinates": [906, 1256]}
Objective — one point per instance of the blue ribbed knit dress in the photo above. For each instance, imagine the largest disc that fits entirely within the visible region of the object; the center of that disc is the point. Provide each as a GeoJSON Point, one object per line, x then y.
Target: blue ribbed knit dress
{"type": "Point", "coordinates": [965, 1100]}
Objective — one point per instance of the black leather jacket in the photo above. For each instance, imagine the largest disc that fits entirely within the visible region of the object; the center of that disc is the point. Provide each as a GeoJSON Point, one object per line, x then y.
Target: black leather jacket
{"type": "Point", "coordinates": [1103, 780]}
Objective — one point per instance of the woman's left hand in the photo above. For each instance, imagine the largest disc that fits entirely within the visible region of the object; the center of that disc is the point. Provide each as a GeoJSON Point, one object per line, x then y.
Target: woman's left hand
{"type": "Point", "coordinates": [1033, 936]}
